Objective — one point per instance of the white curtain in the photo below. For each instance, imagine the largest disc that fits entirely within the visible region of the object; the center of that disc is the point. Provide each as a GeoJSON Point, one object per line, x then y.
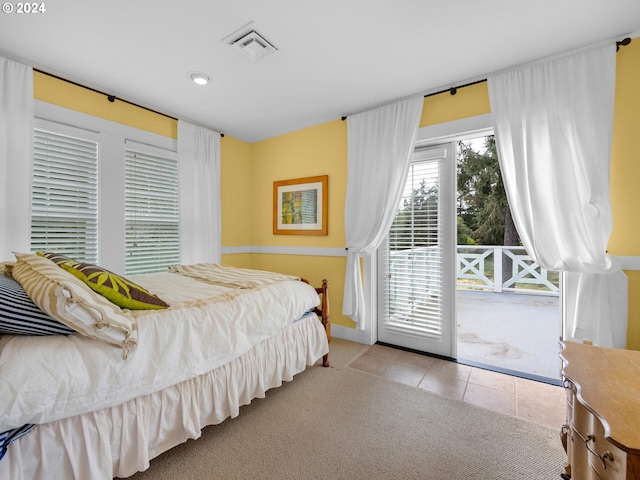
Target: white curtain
{"type": "Point", "coordinates": [380, 143]}
{"type": "Point", "coordinates": [199, 173]}
{"type": "Point", "coordinates": [16, 156]}
{"type": "Point", "coordinates": [553, 124]}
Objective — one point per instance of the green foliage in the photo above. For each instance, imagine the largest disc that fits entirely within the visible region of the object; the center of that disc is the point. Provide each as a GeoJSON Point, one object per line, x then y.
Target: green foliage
{"type": "Point", "coordinates": [464, 233]}
{"type": "Point", "coordinates": [482, 200]}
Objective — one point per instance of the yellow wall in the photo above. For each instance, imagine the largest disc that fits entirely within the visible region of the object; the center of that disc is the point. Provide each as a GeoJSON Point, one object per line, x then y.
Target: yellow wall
{"type": "Point", "coordinates": [52, 90]}
{"type": "Point", "coordinates": [235, 193]}
{"type": "Point", "coordinates": [249, 170]}
{"type": "Point", "coordinates": [319, 150]}
{"type": "Point", "coordinates": [444, 107]}
{"type": "Point", "coordinates": [625, 172]}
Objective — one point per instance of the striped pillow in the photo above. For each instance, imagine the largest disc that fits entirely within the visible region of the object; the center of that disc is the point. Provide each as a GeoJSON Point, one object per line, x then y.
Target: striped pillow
{"type": "Point", "coordinates": [69, 300]}
{"type": "Point", "coordinates": [20, 316]}
{"type": "Point", "coordinates": [11, 435]}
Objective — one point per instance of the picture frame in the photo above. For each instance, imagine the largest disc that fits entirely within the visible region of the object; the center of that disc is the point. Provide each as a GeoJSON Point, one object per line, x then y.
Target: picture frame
{"type": "Point", "coordinates": [300, 206]}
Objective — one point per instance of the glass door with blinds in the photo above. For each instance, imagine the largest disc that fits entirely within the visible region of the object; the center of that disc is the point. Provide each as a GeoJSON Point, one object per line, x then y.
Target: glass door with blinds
{"type": "Point", "coordinates": [416, 263]}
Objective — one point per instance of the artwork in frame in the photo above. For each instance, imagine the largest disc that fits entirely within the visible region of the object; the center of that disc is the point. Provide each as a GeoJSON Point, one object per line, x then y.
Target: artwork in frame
{"type": "Point", "coordinates": [300, 206]}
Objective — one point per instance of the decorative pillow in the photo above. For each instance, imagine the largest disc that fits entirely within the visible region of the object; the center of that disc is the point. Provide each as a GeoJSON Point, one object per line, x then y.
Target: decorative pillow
{"type": "Point", "coordinates": [56, 258]}
{"type": "Point", "coordinates": [11, 436]}
{"type": "Point", "coordinates": [69, 300]}
{"type": "Point", "coordinates": [20, 316]}
{"type": "Point", "coordinates": [115, 288]}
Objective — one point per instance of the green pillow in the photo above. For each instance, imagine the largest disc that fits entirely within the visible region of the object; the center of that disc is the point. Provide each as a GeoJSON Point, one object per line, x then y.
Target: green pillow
{"type": "Point", "coordinates": [115, 288]}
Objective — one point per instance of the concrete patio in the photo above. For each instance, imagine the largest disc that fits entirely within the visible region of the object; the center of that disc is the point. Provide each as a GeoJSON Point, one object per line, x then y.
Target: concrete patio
{"type": "Point", "coordinates": [510, 331]}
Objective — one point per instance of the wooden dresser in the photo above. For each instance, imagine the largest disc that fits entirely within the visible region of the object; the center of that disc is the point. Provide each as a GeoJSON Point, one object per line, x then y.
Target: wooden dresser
{"type": "Point", "coordinates": [602, 433]}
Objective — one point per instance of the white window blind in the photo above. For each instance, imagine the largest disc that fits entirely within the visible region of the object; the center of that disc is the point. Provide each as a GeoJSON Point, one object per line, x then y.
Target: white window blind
{"type": "Point", "coordinates": [64, 215]}
{"type": "Point", "coordinates": [151, 212]}
{"type": "Point", "coordinates": [413, 267]}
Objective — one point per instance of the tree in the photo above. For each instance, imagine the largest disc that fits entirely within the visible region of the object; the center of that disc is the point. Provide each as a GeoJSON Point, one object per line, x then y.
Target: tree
{"type": "Point", "coordinates": [482, 199]}
{"type": "Point", "coordinates": [463, 233]}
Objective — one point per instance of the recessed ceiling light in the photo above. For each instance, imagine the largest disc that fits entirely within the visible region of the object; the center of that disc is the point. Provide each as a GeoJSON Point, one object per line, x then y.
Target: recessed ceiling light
{"type": "Point", "coordinates": [199, 78]}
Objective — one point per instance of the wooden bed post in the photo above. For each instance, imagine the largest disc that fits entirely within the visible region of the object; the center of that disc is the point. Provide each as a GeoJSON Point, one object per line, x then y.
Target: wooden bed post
{"type": "Point", "coordinates": [323, 312]}
{"type": "Point", "coordinates": [324, 316]}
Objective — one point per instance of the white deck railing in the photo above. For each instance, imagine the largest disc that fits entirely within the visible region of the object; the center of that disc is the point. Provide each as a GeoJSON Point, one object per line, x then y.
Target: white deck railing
{"type": "Point", "coordinates": [481, 267]}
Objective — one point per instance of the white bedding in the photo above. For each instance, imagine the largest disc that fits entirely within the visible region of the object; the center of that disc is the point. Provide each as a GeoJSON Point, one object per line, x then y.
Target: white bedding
{"type": "Point", "coordinates": [44, 379]}
{"type": "Point", "coordinates": [121, 440]}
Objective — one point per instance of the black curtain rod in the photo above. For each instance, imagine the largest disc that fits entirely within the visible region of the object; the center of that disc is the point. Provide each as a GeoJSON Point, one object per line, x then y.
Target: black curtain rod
{"type": "Point", "coordinates": [111, 98]}
{"type": "Point", "coordinates": [454, 90]}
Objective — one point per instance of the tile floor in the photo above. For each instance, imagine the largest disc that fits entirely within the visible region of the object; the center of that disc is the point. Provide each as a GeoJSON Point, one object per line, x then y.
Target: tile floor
{"type": "Point", "coordinates": [534, 401]}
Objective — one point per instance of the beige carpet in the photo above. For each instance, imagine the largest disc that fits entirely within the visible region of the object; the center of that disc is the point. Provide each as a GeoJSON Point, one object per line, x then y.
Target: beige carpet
{"type": "Point", "coordinates": [341, 423]}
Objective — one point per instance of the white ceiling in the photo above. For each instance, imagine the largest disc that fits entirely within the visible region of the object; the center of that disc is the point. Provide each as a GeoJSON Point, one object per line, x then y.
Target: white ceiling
{"type": "Point", "coordinates": [334, 57]}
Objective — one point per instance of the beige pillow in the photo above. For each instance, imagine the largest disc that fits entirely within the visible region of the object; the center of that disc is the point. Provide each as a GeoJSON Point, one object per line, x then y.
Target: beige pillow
{"type": "Point", "coordinates": [70, 301]}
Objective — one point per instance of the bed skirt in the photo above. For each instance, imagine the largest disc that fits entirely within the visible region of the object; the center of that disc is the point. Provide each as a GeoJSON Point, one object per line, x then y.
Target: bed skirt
{"type": "Point", "coordinates": [121, 440]}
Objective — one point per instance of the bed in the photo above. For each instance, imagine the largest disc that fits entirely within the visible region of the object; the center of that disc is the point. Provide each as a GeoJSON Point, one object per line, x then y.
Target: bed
{"type": "Point", "coordinates": [125, 384]}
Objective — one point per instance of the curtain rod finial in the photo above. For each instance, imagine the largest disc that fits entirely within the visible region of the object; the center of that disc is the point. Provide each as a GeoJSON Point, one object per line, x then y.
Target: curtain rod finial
{"type": "Point", "coordinates": [624, 42]}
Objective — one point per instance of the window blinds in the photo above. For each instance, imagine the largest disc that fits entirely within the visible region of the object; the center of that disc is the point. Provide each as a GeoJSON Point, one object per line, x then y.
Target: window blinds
{"type": "Point", "coordinates": [64, 216]}
{"type": "Point", "coordinates": [412, 270]}
{"type": "Point", "coordinates": [151, 212]}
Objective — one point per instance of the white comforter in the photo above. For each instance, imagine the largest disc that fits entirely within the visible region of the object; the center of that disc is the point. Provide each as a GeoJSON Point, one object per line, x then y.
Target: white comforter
{"type": "Point", "coordinates": [43, 379]}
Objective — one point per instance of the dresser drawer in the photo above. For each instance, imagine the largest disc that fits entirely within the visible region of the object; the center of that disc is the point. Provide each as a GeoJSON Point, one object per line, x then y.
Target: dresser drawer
{"type": "Point", "coordinates": [590, 447]}
{"type": "Point", "coordinates": [604, 457]}
{"type": "Point", "coordinates": [578, 456]}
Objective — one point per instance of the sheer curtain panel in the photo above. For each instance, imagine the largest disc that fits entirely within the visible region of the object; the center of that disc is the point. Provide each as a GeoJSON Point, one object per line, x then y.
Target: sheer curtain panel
{"type": "Point", "coordinates": [553, 125]}
{"type": "Point", "coordinates": [16, 156]}
{"type": "Point", "coordinates": [380, 145]}
{"type": "Point", "coordinates": [199, 174]}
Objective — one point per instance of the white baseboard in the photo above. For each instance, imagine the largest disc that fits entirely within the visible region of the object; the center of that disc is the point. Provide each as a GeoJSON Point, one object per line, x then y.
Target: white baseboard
{"type": "Point", "coordinates": [350, 334]}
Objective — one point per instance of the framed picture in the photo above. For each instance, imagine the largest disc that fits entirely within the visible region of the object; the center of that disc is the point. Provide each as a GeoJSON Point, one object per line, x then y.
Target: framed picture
{"type": "Point", "coordinates": [300, 206]}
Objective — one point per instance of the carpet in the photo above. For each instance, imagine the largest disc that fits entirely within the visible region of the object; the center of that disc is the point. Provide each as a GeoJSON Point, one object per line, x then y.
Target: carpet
{"type": "Point", "coordinates": [341, 423]}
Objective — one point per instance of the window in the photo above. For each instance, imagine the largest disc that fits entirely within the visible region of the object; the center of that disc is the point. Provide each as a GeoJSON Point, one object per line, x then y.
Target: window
{"type": "Point", "coordinates": [79, 204]}
{"type": "Point", "coordinates": [64, 215]}
{"type": "Point", "coordinates": [151, 212]}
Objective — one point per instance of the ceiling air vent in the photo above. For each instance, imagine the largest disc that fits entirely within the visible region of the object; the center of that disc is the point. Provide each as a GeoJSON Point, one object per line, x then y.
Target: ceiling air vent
{"type": "Point", "coordinates": [250, 42]}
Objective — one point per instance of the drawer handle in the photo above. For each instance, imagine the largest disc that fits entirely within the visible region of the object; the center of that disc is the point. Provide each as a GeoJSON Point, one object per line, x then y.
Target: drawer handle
{"type": "Point", "coordinates": [605, 456]}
